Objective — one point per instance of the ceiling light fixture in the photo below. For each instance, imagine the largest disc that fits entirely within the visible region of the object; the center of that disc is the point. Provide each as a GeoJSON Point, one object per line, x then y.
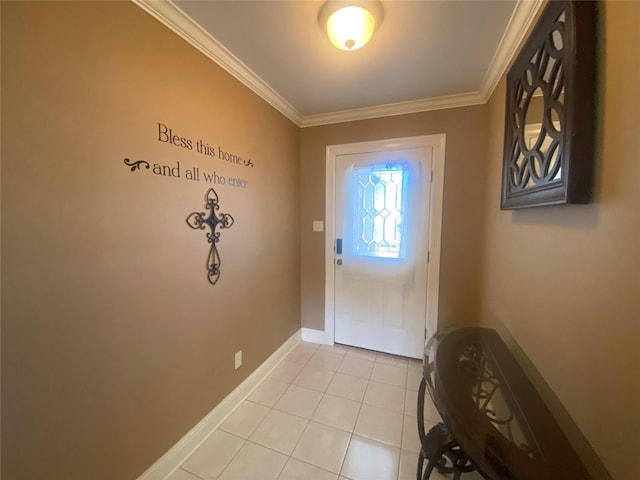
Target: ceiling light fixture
{"type": "Point", "coordinates": [350, 24]}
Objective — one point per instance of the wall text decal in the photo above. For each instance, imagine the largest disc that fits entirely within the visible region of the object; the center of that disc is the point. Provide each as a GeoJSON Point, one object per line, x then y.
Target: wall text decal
{"type": "Point", "coordinates": [168, 135]}
{"type": "Point", "coordinates": [189, 173]}
{"type": "Point", "coordinates": [136, 165]}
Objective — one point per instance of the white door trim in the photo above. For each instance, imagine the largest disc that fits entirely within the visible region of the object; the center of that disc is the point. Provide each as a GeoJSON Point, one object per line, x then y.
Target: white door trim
{"type": "Point", "coordinates": [437, 142]}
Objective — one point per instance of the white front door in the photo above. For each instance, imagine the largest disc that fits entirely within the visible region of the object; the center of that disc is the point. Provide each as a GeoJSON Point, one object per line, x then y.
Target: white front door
{"type": "Point", "coordinates": [381, 244]}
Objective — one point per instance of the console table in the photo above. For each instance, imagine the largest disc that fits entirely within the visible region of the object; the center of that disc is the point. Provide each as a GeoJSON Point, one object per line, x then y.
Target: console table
{"type": "Point", "coordinates": [494, 420]}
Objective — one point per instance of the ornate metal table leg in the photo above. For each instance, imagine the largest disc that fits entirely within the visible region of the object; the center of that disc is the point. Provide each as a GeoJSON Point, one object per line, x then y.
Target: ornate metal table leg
{"type": "Point", "coordinates": [421, 433]}
{"type": "Point", "coordinates": [430, 443]}
{"type": "Point", "coordinates": [439, 447]}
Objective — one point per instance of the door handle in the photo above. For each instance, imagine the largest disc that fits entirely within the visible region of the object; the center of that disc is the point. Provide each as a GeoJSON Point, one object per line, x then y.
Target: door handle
{"type": "Point", "coordinates": [338, 246]}
{"type": "Point", "coordinates": [339, 261]}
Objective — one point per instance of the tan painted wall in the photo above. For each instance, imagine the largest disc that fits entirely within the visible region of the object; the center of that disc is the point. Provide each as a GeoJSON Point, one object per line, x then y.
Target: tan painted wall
{"type": "Point", "coordinates": [113, 342]}
{"type": "Point", "coordinates": [564, 280]}
{"type": "Point", "coordinates": [462, 226]}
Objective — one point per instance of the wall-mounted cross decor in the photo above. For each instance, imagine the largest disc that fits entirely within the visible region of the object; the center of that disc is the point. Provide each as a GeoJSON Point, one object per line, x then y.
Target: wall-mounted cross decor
{"type": "Point", "coordinates": [198, 221]}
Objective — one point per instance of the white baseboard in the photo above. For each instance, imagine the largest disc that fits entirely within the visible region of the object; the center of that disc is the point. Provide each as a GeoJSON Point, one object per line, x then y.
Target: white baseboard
{"type": "Point", "coordinates": [172, 460]}
{"type": "Point", "coordinates": [315, 336]}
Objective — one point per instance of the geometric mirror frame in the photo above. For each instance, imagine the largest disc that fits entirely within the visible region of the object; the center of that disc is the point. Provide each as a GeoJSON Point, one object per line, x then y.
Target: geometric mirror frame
{"type": "Point", "coordinates": [550, 112]}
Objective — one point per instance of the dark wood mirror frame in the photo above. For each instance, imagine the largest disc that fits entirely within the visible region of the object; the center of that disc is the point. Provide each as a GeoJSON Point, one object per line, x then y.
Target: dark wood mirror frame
{"type": "Point", "coordinates": [549, 160]}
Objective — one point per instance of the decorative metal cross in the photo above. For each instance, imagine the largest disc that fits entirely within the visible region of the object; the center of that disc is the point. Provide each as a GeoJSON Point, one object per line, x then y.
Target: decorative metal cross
{"type": "Point", "coordinates": [197, 221]}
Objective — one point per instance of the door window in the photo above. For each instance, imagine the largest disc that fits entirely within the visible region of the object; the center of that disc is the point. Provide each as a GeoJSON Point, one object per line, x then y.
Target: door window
{"type": "Point", "coordinates": [378, 216]}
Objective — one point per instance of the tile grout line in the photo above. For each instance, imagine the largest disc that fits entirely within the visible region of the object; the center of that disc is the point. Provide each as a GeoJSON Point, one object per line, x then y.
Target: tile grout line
{"type": "Point", "coordinates": [309, 420]}
{"type": "Point", "coordinates": [190, 473]}
{"type": "Point", "coordinates": [248, 438]}
{"type": "Point", "coordinates": [334, 370]}
{"type": "Point", "coordinates": [356, 422]}
{"type": "Point", "coordinates": [353, 432]}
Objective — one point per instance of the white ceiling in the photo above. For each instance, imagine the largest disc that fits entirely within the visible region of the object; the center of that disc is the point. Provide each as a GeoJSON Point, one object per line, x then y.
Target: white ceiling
{"type": "Point", "coordinates": [425, 55]}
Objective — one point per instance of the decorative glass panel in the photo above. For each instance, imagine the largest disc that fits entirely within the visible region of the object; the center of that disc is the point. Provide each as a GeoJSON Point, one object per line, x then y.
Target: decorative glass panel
{"type": "Point", "coordinates": [379, 210]}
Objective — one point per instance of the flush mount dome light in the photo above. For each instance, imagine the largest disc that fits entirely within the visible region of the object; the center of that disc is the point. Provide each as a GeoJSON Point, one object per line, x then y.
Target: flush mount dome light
{"type": "Point", "coordinates": [350, 24]}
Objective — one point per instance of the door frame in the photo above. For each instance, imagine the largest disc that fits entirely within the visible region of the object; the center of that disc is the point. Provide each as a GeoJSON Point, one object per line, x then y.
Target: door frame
{"type": "Point", "coordinates": [437, 143]}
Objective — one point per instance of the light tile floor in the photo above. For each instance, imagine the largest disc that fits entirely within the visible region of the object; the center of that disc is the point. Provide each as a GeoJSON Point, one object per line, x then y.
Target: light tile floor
{"type": "Point", "coordinates": [325, 412]}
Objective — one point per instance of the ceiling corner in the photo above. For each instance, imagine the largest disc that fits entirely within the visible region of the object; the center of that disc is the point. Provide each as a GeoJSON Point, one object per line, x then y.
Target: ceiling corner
{"type": "Point", "coordinates": [169, 14]}
{"type": "Point", "coordinates": [523, 15]}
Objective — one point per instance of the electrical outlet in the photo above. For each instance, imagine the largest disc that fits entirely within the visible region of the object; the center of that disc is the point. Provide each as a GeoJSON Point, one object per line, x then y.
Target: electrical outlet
{"type": "Point", "coordinates": [238, 359]}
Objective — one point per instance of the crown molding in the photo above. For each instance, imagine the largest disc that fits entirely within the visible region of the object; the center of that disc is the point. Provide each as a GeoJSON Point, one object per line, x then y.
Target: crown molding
{"type": "Point", "coordinates": [173, 17]}
{"type": "Point", "coordinates": [179, 22]}
{"type": "Point", "coordinates": [390, 109]}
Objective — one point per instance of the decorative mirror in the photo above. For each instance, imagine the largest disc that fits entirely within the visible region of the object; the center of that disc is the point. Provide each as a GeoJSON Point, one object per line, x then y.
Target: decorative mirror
{"type": "Point", "coordinates": [549, 123]}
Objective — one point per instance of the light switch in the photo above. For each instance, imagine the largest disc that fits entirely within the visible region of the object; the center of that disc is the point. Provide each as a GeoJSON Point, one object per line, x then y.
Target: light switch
{"type": "Point", "coordinates": [318, 226]}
